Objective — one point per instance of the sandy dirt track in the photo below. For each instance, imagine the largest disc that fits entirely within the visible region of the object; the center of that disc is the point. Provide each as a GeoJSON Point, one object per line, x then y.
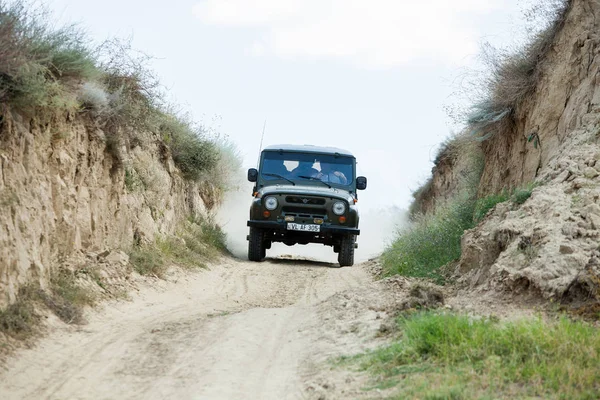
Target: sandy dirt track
{"type": "Point", "coordinates": [237, 331]}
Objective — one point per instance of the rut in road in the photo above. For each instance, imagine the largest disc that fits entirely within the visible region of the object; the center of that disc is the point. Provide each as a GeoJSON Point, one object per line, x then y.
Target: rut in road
{"type": "Point", "coordinates": [240, 330]}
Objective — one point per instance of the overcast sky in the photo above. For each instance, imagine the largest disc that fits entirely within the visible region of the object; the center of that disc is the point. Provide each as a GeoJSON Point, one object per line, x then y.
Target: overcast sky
{"type": "Point", "coordinates": [369, 76]}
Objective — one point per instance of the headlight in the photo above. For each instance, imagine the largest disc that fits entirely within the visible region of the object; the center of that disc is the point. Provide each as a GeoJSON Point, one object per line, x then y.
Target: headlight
{"type": "Point", "coordinates": [339, 208]}
{"type": "Point", "coordinates": [271, 203]}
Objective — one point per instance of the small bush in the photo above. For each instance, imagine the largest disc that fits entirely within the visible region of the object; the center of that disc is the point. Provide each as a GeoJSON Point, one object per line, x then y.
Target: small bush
{"type": "Point", "coordinates": [37, 61]}
{"type": "Point", "coordinates": [210, 234]}
{"type": "Point", "coordinates": [514, 74]}
{"type": "Point", "coordinates": [67, 298]}
{"type": "Point", "coordinates": [148, 260]}
{"type": "Point", "coordinates": [19, 319]}
{"type": "Point", "coordinates": [133, 181]}
{"type": "Point", "coordinates": [464, 156]}
{"type": "Point", "coordinates": [483, 358]}
{"type": "Point", "coordinates": [199, 240]}
{"type": "Point", "coordinates": [454, 146]}
{"type": "Point", "coordinates": [193, 153]}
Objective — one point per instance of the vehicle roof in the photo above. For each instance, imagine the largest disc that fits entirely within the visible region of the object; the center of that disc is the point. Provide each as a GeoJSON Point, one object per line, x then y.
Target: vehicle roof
{"type": "Point", "coordinates": [307, 148]}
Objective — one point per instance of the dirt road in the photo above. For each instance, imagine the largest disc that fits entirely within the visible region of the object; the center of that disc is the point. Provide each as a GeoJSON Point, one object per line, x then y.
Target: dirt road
{"type": "Point", "coordinates": [237, 331]}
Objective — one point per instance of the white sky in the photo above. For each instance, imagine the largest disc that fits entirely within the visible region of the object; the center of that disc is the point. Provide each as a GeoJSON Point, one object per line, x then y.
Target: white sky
{"type": "Point", "coordinates": [369, 76]}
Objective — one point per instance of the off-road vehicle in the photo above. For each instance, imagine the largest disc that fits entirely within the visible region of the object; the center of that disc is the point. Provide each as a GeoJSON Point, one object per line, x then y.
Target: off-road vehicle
{"type": "Point", "coordinates": [305, 194]}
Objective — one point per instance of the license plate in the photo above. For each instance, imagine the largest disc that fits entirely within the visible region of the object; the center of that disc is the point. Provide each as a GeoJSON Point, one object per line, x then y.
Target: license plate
{"type": "Point", "coordinates": [304, 227]}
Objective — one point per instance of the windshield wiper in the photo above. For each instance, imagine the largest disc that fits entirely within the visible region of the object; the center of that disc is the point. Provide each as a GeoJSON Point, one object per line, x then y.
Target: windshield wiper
{"type": "Point", "coordinates": [315, 179]}
{"type": "Point", "coordinates": [282, 177]}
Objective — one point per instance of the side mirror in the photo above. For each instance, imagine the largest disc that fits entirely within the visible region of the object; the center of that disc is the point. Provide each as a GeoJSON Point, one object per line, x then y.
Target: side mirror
{"type": "Point", "coordinates": [361, 183]}
{"type": "Point", "coordinates": [252, 174]}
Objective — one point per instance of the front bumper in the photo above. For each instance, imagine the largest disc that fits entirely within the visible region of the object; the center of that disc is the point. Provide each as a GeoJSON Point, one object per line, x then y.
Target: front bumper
{"type": "Point", "coordinates": [325, 229]}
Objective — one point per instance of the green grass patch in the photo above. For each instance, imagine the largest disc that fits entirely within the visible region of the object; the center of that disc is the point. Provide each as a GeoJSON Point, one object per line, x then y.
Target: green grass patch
{"type": "Point", "coordinates": [434, 240]}
{"type": "Point", "coordinates": [431, 242]}
{"type": "Point", "coordinates": [447, 356]}
{"type": "Point", "coordinates": [485, 204]}
{"type": "Point", "coordinates": [198, 241]}
{"type": "Point", "coordinates": [522, 194]}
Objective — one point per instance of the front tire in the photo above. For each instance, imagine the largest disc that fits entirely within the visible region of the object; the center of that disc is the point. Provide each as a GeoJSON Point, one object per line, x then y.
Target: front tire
{"type": "Point", "coordinates": [256, 245]}
{"type": "Point", "coordinates": [346, 255]}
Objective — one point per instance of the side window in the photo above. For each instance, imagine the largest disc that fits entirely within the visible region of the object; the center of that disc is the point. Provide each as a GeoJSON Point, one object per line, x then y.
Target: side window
{"type": "Point", "coordinates": [347, 171]}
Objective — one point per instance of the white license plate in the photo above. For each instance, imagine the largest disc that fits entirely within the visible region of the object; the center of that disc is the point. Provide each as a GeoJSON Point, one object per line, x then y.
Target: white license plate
{"type": "Point", "coordinates": [304, 227]}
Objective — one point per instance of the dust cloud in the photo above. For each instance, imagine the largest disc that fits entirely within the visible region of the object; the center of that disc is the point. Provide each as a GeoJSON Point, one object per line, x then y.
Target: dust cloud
{"type": "Point", "coordinates": [378, 227]}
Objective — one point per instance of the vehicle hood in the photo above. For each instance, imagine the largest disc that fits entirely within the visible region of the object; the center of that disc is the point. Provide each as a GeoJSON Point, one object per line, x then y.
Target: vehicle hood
{"type": "Point", "coordinates": [307, 191]}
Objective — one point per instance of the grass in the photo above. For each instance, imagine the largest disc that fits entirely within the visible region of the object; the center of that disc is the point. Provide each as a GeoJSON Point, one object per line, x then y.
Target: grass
{"type": "Point", "coordinates": [431, 242]}
{"type": "Point", "coordinates": [38, 62]}
{"type": "Point", "coordinates": [485, 204]}
{"type": "Point", "coordinates": [199, 240]}
{"type": "Point", "coordinates": [147, 260]}
{"type": "Point", "coordinates": [47, 70]}
{"type": "Point", "coordinates": [513, 74]}
{"type": "Point", "coordinates": [419, 197]}
{"type": "Point", "coordinates": [19, 319]}
{"type": "Point", "coordinates": [133, 181]}
{"type": "Point", "coordinates": [520, 195]}
{"type": "Point", "coordinates": [191, 151]}
{"type": "Point", "coordinates": [434, 240]}
{"type": "Point", "coordinates": [447, 356]}
{"type": "Point", "coordinates": [65, 297]}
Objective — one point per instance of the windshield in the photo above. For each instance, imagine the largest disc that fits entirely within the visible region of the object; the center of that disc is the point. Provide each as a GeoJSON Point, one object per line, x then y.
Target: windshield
{"type": "Point", "coordinates": [307, 167]}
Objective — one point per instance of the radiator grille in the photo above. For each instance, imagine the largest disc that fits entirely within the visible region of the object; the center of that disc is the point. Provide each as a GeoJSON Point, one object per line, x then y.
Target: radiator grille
{"type": "Point", "coordinates": [305, 200]}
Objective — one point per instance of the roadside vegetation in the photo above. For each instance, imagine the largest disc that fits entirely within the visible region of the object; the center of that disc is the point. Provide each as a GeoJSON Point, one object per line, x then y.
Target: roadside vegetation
{"type": "Point", "coordinates": [47, 72]}
{"type": "Point", "coordinates": [50, 74]}
{"type": "Point", "coordinates": [433, 238]}
{"type": "Point", "coordinates": [198, 241]}
{"type": "Point", "coordinates": [512, 74]}
{"type": "Point", "coordinates": [68, 293]}
{"type": "Point", "coordinates": [65, 297]}
{"type": "Point", "coordinates": [449, 356]}
{"type": "Point", "coordinates": [443, 355]}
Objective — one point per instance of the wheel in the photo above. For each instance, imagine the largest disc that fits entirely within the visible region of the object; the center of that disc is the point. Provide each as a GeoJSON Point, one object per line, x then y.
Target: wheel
{"type": "Point", "coordinates": [346, 256]}
{"type": "Point", "coordinates": [256, 245]}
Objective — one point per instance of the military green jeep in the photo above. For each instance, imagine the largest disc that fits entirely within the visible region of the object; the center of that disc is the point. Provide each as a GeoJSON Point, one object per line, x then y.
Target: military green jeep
{"type": "Point", "coordinates": [305, 194]}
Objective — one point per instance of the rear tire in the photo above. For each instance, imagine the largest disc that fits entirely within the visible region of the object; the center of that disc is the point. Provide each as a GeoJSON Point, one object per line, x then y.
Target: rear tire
{"type": "Point", "coordinates": [346, 256]}
{"type": "Point", "coordinates": [256, 245]}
